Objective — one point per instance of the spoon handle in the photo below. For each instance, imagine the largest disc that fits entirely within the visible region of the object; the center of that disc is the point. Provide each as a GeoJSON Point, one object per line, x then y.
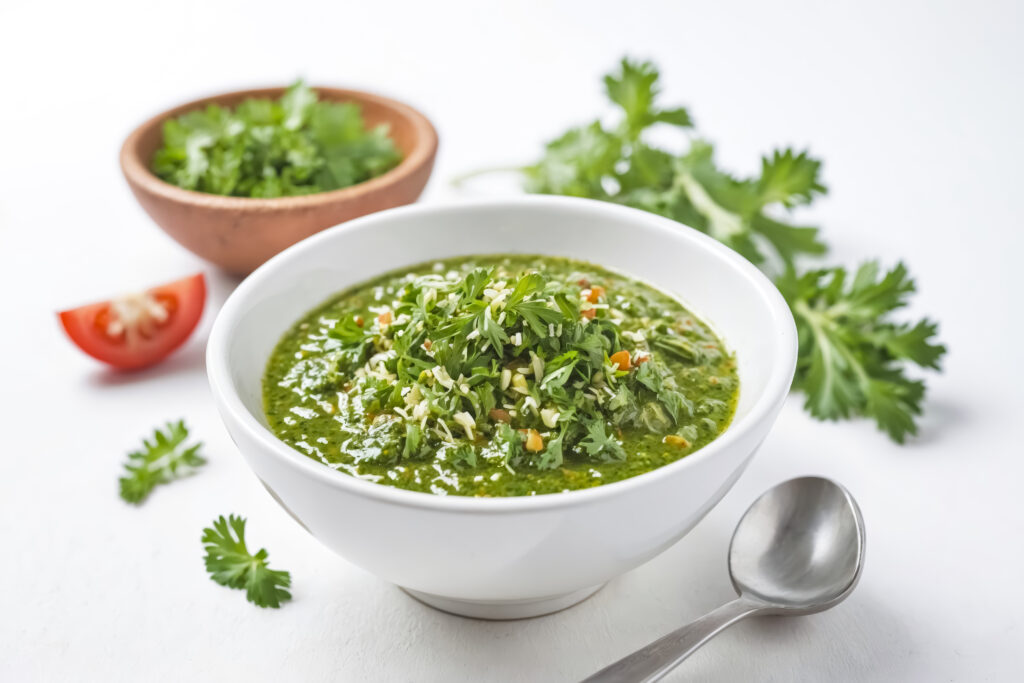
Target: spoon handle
{"type": "Point", "coordinates": [657, 659]}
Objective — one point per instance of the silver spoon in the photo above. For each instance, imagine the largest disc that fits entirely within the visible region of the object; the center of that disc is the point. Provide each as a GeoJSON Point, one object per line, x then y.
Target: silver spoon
{"type": "Point", "coordinates": [799, 549]}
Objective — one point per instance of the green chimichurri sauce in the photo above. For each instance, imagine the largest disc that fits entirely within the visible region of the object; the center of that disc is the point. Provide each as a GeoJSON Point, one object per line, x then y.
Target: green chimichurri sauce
{"type": "Point", "coordinates": [499, 376]}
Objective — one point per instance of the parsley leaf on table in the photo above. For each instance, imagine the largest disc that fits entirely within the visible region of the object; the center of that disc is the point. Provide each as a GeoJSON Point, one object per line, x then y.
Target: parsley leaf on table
{"type": "Point", "coordinates": [853, 358]}
{"type": "Point", "coordinates": [230, 563]}
{"type": "Point", "coordinates": [851, 355]}
{"type": "Point", "coordinates": [161, 460]}
{"type": "Point", "coordinates": [615, 164]}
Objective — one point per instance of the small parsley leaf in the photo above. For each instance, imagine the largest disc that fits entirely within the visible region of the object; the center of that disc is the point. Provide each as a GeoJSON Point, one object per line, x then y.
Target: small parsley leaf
{"type": "Point", "coordinates": [601, 444]}
{"type": "Point", "coordinates": [162, 459]}
{"type": "Point", "coordinates": [789, 178]}
{"type": "Point", "coordinates": [230, 563]}
{"type": "Point", "coordinates": [634, 88]}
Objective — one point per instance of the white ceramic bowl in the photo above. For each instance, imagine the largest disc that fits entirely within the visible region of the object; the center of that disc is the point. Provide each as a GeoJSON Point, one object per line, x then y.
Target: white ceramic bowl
{"type": "Point", "coordinates": [503, 557]}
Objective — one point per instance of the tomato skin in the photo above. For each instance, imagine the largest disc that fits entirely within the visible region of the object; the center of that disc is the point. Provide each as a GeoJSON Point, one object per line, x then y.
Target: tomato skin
{"type": "Point", "coordinates": [183, 300]}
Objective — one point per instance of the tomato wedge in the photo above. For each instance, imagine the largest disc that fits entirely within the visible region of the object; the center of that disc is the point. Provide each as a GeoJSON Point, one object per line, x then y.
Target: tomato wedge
{"type": "Point", "coordinates": [139, 329]}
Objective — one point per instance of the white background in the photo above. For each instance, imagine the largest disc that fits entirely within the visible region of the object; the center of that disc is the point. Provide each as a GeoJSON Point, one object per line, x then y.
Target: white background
{"type": "Point", "coordinates": [916, 108]}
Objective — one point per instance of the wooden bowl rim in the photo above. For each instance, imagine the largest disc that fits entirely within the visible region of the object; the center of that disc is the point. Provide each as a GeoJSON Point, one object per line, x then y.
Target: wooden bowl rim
{"type": "Point", "coordinates": [424, 147]}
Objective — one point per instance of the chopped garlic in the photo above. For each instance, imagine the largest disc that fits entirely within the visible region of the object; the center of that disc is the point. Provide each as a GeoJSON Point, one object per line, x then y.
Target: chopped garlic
{"type": "Point", "coordinates": [538, 366]}
{"type": "Point", "coordinates": [441, 375]}
{"type": "Point", "coordinates": [529, 403]}
{"type": "Point", "coordinates": [447, 432]}
{"type": "Point", "coordinates": [465, 420]}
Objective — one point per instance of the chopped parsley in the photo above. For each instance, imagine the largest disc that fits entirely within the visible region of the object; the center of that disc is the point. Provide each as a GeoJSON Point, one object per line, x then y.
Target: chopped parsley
{"type": "Point", "coordinates": [295, 145]}
{"type": "Point", "coordinates": [532, 363]}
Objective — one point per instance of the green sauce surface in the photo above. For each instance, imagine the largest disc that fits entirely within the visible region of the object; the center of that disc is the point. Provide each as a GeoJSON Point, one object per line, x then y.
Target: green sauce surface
{"type": "Point", "coordinates": [499, 376]}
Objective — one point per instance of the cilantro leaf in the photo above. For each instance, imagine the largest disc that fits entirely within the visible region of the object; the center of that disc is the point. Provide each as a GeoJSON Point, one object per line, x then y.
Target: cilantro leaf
{"type": "Point", "coordinates": [489, 329]}
{"type": "Point", "coordinates": [789, 178]}
{"type": "Point", "coordinates": [230, 563]}
{"type": "Point", "coordinates": [913, 343]}
{"type": "Point", "coordinates": [297, 102]}
{"type": "Point", "coordinates": [788, 241]}
{"type": "Point", "coordinates": [576, 164]}
{"type": "Point", "coordinates": [510, 444]}
{"type": "Point", "coordinates": [463, 456]}
{"type": "Point", "coordinates": [731, 209]}
{"type": "Point", "coordinates": [601, 444]}
{"type": "Point", "coordinates": [473, 284]}
{"type": "Point", "coordinates": [557, 377]}
{"type": "Point", "coordinates": [161, 460]}
{"type": "Point", "coordinates": [537, 315]}
{"type": "Point", "coordinates": [526, 285]}
{"type": "Point", "coordinates": [634, 88]}
{"type": "Point", "coordinates": [552, 456]}
{"type": "Point", "coordinates": [349, 330]}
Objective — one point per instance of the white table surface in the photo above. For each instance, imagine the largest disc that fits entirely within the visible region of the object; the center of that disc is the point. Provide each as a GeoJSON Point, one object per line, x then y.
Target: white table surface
{"type": "Point", "coordinates": [916, 108]}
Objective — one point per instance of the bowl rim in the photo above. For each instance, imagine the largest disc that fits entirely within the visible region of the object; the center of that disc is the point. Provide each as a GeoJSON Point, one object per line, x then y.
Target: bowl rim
{"type": "Point", "coordinates": [137, 170]}
{"type": "Point", "coordinates": [776, 387]}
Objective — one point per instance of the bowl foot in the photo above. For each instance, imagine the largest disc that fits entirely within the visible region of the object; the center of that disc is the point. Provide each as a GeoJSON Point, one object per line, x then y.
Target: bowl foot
{"type": "Point", "coordinates": [503, 609]}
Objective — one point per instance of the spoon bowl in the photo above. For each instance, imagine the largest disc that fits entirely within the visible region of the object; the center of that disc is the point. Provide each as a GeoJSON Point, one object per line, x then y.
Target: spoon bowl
{"type": "Point", "coordinates": [799, 547]}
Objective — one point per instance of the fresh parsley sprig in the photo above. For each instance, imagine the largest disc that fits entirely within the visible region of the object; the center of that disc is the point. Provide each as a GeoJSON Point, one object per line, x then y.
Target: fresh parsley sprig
{"type": "Point", "coordinates": [616, 164]}
{"type": "Point", "coordinates": [161, 459]}
{"type": "Point", "coordinates": [230, 563]}
{"type": "Point", "coordinates": [853, 358]}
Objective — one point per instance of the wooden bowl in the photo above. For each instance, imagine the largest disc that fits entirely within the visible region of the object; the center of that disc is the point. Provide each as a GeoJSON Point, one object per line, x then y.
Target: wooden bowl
{"type": "Point", "coordinates": [240, 233]}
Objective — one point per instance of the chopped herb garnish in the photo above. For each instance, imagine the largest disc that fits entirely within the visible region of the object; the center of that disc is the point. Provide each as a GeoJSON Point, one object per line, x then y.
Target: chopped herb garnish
{"type": "Point", "coordinates": [533, 361]}
{"type": "Point", "coordinates": [230, 563]}
{"type": "Point", "coordinates": [164, 458]}
{"type": "Point", "coordinates": [499, 375]}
